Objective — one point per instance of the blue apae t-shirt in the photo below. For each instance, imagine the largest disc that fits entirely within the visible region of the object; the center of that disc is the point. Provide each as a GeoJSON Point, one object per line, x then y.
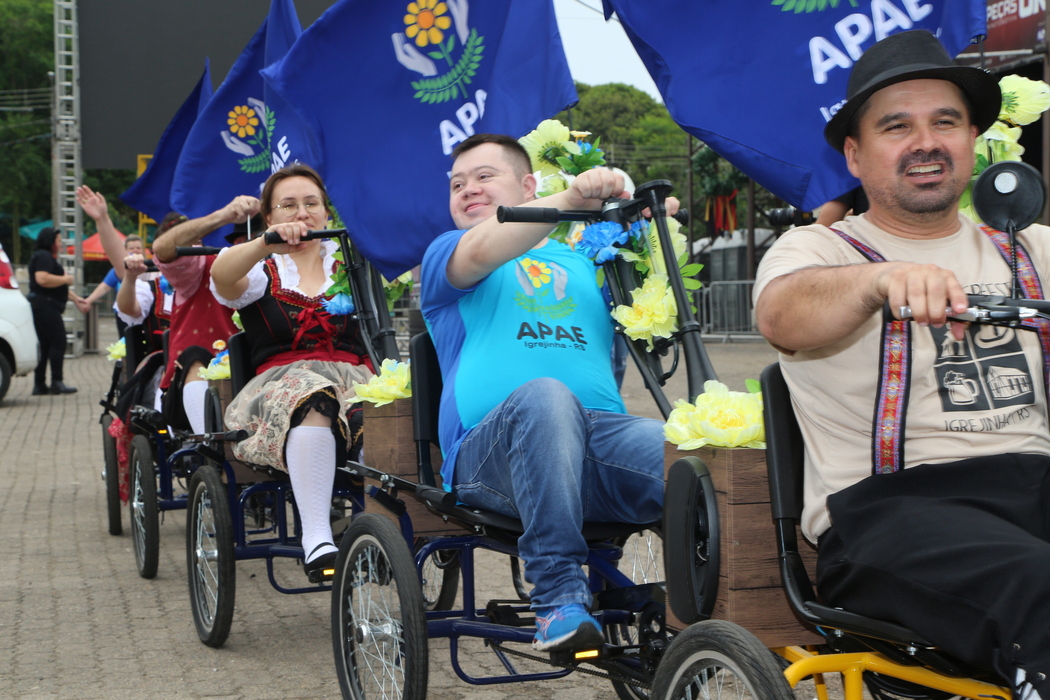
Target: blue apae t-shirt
{"type": "Point", "coordinates": [112, 280]}
{"type": "Point", "coordinates": [540, 315]}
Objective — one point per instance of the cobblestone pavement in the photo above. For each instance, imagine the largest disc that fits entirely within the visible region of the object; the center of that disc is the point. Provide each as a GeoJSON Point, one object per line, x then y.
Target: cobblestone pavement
{"type": "Point", "coordinates": [76, 621]}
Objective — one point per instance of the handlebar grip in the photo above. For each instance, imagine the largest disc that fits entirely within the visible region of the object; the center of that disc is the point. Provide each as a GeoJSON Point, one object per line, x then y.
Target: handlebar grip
{"type": "Point", "coordinates": [274, 238]}
{"type": "Point", "coordinates": [186, 251]}
{"type": "Point", "coordinates": [528, 215]}
{"type": "Point", "coordinates": [682, 217]}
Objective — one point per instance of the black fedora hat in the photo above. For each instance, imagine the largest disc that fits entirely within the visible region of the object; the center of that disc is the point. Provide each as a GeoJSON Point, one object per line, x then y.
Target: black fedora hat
{"type": "Point", "coordinates": [241, 229]}
{"type": "Point", "coordinates": [913, 55]}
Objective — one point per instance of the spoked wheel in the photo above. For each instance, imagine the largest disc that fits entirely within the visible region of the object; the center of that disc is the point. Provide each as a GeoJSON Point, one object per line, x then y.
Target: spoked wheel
{"type": "Point", "coordinates": [145, 520]}
{"type": "Point", "coordinates": [111, 477]}
{"type": "Point", "coordinates": [440, 578]}
{"type": "Point", "coordinates": [379, 632]}
{"type": "Point", "coordinates": [718, 660]}
{"type": "Point", "coordinates": [210, 557]}
{"type": "Point", "coordinates": [642, 562]}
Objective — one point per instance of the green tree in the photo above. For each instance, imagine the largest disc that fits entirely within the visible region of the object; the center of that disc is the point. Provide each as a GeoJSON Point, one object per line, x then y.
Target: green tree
{"type": "Point", "coordinates": [26, 57]}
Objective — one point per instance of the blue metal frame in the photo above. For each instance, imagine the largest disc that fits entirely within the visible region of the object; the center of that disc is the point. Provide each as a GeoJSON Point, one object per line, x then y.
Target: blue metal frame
{"type": "Point", "coordinates": [470, 621]}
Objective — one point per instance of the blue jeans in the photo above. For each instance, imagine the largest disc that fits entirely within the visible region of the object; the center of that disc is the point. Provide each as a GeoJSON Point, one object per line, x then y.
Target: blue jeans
{"type": "Point", "coordinates": [541, 457]}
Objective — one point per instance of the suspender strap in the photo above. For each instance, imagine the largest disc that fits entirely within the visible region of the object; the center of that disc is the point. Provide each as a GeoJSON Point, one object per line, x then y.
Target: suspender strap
{"type": "Point", "coordinates": [1031, 287]}
{"type": "Point", "coordinates": [891, 404]}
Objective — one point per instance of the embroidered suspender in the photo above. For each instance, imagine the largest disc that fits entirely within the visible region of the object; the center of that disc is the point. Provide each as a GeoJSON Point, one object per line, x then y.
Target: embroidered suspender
{"type": "Point", "coordinates": [891, 405]}
{"type": "Point", "coordinates": [1031, 288]}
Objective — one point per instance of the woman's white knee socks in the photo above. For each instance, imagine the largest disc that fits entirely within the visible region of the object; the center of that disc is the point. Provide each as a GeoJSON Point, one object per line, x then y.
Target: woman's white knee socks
{"type": "Point", "coordinates": [310, 454]}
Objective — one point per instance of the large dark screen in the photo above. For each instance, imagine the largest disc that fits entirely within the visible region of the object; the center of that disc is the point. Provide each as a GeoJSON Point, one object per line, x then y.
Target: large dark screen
{"type": "Point", "coordinates": [140, 59]}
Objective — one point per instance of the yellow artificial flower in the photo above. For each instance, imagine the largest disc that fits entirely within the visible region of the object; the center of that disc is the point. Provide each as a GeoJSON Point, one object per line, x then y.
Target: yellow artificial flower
{"type": "Point", "coordinates": [537, 270]}
{"type": "Point", "coordinates": [217, 369]}
{"type": "Point", "coordinates": [575, 234]}
{"type": "Point", "coordinates": [1001, 140]}
{"type": "Point", "coordinates": [544, 144]}
{"type": "Point", "coordinates": [552, 184]}
{"type": "Point", "coordinates": [392, 382]}
{"type": "Point", "coordinates": [116, 351]}
{"type": "Point", "coordinates": [242, 121]}
{"type": "Point", "coordinates": [721, 418]}
{"type": "Point", "coordinates": [425, 21]}
{"type": "Point", "coordinates": [653, 312]}
{"type": "Point", "coordinates": [579, 134]}
{"type": "Point", "coordinates": [1023, 99]}
{"type": "Point", "coordinates": [218, 345]}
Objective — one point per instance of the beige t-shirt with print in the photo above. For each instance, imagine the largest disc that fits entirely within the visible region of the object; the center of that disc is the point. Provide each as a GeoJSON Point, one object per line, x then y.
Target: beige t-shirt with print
{"type": "Point", "coordinates": [982, 396]}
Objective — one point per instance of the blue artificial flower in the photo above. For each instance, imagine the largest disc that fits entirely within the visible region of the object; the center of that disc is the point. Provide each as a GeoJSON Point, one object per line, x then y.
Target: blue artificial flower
{"type": "Point", "coordinates": [339, 305]}
{"type": "Point", "coordinates": [598, 240]}
{"type": "Point", "coordinates": [585, 147]}
{"type": "Point", "coordinates": [165, 286]}
{"type": "Point", "coordinates": [637, 230]}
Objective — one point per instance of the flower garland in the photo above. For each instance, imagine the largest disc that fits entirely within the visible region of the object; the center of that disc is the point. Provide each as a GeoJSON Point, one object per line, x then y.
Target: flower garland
{"type": "Point", "coordinates": [116, 351]}
{"type": "Point", "coordinates": [219, 367]}
{"type": "Point", "coordinates": [1023, 101]}
{"type": "Point", "coordinates": [720, 417]}
{"type": "Point", "coordinates": [393, 382]}
{"type": "Point", "coordinates": [558, 155]}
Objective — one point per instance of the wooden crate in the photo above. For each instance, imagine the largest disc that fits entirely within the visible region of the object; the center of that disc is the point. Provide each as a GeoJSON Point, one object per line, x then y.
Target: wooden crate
{"type": "Point", "coordinates": [390, 447]}
{"type": "Point", "coordinates": [750, 592]}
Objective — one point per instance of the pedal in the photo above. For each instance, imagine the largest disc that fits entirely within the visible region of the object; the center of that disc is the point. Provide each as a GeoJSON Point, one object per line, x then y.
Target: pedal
{"type": "Point", "coordinates": [571, 657]}
{"type": "Point", "coordinates": [322, 576]}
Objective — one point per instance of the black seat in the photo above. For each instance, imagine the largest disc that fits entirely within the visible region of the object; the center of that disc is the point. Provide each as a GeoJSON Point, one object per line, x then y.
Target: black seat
{"type": "Point", "coordinates": [241, 369]}
{"type": "Point", "coordinates": [426, 404]}
{"type": "Point", "coordinates": [785, 462]}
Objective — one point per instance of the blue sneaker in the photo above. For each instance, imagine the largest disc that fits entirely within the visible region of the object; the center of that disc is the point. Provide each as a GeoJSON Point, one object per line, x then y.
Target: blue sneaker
{"type": "Point", "coordinates": [566, 627]}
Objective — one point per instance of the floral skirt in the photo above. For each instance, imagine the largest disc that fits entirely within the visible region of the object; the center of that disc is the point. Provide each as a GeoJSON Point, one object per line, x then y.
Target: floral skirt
{"type": "Point", "coordinates": [267, 403]}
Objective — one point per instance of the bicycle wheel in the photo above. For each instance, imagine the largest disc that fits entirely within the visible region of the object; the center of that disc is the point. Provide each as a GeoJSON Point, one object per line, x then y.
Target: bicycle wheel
{"type": "Point", "coordinates": [718, 660]}
{"type": "Point", "coordinates": [440, 578]}
{"type": "Point", "coordinates": [145, 517]}
{"type": "Point", "coordinates": [379, 632]}
{"type": "Point", "coordinates": [210, 557]}
{"type": "Point", "coordinates": [642, 562]}
{"type": "Point", "coordinates": [111, 477]}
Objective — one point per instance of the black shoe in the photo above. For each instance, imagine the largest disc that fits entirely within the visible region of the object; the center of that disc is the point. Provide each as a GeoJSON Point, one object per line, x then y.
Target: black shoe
{"type": "Point", "coordinates": [40, 389]}
{"type": "Point", "coordinates": [60, 388]}
{"type": "Point", "coordinates": [323, 567]}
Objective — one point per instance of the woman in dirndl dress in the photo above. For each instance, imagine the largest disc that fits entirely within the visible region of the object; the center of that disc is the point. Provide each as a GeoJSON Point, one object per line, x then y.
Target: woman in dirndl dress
{"type": "Point", "coordinates": [296, 409]}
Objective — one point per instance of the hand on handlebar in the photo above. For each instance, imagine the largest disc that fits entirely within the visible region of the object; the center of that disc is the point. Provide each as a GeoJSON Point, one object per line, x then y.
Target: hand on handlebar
{"type": "Point", "coordinates": [135, 265]}
{"type": "Point", "coordinates": [291, 233]}
{"type": "Point", "coordinates": [240, 209]}
{"type": "Point", "coordinates": [931, 293]}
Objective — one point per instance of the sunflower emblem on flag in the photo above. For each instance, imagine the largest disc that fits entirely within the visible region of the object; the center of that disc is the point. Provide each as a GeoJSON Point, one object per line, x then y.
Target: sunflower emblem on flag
{"type": "Point", "coordinates": [428, 25]}
{"type": "Point", "coordinates": [250, 127]}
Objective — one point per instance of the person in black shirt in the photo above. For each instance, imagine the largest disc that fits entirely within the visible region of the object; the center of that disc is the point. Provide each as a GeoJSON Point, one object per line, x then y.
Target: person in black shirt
{"type": "Point", "coordinates": [48, 292]}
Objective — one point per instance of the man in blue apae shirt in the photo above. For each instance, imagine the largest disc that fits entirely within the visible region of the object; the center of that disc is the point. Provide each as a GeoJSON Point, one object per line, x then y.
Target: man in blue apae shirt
{"type": "Point", "coordinates": [532, 424]}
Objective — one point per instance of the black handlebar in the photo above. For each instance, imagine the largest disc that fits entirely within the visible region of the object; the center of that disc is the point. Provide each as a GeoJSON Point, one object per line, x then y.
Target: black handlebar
{"type": "Point", "coordinates": [274, 238]}
{"type": "Point", "coordinates": [184, 251]}
{"type": "Point", "coordinates": [547, 215]}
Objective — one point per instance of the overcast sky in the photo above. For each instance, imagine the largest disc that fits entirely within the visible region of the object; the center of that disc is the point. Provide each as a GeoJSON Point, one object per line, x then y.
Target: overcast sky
{"type": "Point", "coordinates": [598, 51]}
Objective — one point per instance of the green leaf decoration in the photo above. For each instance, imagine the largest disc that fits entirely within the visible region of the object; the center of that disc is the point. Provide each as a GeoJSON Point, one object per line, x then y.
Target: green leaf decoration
{"type": "Point", "coordinates": [453, 83]}
{"type": "Point", "coordinates": [435, 54]}
{"type": "Point", "coordinates": [690, 283]}
{"type": "Point", "coordinates": [753, 386]}
{"type": "Point", "coordinates": [271, 124]}
{"type": "Point", "coordinates": [450, 44]}
{"type": "Point", "coordinates": [691, 270]}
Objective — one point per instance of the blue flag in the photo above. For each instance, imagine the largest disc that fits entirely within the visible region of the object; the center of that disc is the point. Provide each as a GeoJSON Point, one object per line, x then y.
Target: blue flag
{"type": "Point", "coordinates": [151, 192]}
{"type": "Point", "coordinates": [392, 88]}
{"type": "Point", "coordinates": [241, 137]}
{"type": "Point", "coordinates": [758, 80]}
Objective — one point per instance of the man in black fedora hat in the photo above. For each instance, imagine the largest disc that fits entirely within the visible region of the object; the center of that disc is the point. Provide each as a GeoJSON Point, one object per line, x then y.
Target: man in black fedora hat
{"type": "Point", "coordinates": [927, 443]}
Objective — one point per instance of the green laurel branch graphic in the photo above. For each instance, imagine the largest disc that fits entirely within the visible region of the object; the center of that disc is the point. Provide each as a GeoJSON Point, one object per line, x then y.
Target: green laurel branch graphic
{"type": "Point", "coordinates": [446, 87]}
{"type": "Point", "coordinates": [552, 311]}
{"type": "Point", "coordinates": [261, 160]}
{"type": "Point", "coordinates": [800, 6]}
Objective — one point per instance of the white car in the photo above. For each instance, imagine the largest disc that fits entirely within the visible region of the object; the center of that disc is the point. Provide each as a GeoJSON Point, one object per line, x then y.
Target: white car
{"type": "Point", "coordinates": [19, 348]}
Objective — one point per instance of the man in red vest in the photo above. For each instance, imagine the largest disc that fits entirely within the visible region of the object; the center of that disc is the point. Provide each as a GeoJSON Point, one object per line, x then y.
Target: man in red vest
{"type": "Point", "coordinates": [197, 319]}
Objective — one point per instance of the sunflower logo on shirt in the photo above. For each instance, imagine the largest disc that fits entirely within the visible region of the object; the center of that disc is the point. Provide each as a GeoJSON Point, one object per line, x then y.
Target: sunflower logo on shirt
{"type": "Point", "coordinates": [543, 288]}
